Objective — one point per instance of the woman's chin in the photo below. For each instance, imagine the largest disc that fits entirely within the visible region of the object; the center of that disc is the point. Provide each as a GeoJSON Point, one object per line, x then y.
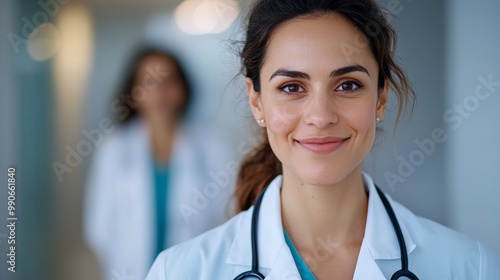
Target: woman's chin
{"type": "Point", "coordinates": [324, 175]}
{"type": "Point", "coordinates": [321, 179]}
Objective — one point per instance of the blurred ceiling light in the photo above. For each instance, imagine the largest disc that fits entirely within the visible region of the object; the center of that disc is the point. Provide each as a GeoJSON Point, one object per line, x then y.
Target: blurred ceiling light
{"type": "Point", "coordinates": [44, 42]}
{"type": "Point", "coordinates": [197, 17]}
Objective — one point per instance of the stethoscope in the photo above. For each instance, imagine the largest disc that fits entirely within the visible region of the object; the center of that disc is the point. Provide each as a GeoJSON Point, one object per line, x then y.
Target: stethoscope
{"type": "Point", "coordinates": [255, 274]}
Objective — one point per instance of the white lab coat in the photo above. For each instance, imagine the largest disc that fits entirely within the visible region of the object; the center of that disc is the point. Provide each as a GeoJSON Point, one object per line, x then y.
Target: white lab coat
{"type": "Point", "coordinates": [119, 217]}
{"type": "Point", "coordinates": [435, 252]}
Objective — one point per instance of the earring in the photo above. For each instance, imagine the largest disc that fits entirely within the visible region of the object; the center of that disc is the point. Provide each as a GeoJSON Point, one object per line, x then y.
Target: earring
{"type": "Point", "coordinates": [378, 119]}
{"type": "Point", "coordinates": [261, 121]}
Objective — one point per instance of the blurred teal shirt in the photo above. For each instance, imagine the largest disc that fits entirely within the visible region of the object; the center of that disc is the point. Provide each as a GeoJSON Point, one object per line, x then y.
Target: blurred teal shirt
{"type": "Point", "coordinates": [161, 184]}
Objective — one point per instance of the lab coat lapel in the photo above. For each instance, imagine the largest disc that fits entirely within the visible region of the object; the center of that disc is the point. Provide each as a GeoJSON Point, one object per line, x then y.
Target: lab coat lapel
{"type": "Point", "coordinates": [380, 236]}
{"type": "Point", "coordinates": [275, 259]}
{"type": "Point", "coordinates": [180, 186]}
{"type": "Point", "coordinates": [186, 180]}
{"type": "Point", "coordinates": [366, 267]}
{"type": "Point", "coordinates": [135, 196]}
{"type": "Point", "coordinates": [284, 268]}
{"type": "Point", "coordinates": [380, 241]}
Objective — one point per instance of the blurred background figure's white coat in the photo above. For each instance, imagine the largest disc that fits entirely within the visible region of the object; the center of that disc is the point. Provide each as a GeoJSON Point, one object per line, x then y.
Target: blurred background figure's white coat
{"type": "Point", "coordinates": [120, 217]}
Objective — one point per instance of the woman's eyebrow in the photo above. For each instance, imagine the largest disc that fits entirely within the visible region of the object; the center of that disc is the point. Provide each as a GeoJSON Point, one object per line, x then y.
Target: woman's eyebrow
{"type": "Point", "coordinates": [335, 73]}
{"type": "Point", "coordinates": [289, 73]}
{"type": "Point", "coordinates": [349, 69]}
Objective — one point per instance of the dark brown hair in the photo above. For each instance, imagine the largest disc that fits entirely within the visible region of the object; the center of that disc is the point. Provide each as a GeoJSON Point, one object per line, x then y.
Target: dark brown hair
{"type": "Point", "coordinates": [261, 165]}
{"type": "Point", "coordinates": [125, 94]}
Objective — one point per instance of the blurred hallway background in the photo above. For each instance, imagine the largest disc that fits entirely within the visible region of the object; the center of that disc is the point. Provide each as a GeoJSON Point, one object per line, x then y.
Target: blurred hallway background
{"type": "Point", "coordinates": [61, 62]}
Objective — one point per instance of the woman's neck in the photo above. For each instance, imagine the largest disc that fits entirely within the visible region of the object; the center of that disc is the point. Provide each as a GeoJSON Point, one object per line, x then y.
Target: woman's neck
{"type": "Point", "coordinates": [162, 135]}
{"type": "Point", "coordinates": [315, 214]}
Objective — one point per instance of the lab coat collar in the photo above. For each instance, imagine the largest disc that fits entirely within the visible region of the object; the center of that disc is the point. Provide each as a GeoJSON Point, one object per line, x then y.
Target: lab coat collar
{"type": "Point", "coordinates": [270, 231]}
{"type": "Point", "coordinates": [380, 236]}
{"type": "Point", "coordinates": [380, 241]}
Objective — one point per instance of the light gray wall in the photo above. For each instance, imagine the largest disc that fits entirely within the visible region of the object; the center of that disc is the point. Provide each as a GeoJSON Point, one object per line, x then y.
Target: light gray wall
{"type": "Point", "coordinates": [473, 155]}
{"type": "Point", "coordinates": [421, 182]}
{"type": "Point", "coordinates": [445, 46]}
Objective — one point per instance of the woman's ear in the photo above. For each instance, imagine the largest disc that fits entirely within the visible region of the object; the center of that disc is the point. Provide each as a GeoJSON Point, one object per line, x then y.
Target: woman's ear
{"type": "Point", "coordinates": [255, 101]}
{"type": "Point", "coordinates": [382, 100]}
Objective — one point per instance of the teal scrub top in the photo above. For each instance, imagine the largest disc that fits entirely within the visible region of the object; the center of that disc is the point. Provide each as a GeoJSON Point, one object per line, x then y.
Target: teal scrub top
{"type": "Point", "coordinates": [304, 271]}
{"type": "Point", "coordinates": [161, 184]}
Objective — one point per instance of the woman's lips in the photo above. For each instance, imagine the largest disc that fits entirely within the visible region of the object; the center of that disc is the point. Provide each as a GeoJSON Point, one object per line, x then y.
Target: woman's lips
{"type": "Point", "coordinates": [322, 145]}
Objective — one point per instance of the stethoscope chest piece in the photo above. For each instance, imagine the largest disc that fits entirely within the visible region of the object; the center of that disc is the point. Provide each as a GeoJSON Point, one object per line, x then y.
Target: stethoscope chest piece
{"type": "Point", "coordinates": [250, 275]}
{"type": "Point", "coordinates": [404, 274]}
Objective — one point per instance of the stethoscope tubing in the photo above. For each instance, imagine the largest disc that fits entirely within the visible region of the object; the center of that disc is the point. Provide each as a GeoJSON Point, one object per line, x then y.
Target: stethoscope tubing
{"type": "Point", "coordinates": [254, 272]}
{"type": "Point", "coordinates": [403, 272]}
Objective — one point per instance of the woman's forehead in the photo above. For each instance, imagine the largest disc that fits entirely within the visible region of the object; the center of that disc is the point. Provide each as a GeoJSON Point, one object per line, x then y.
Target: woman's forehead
{"type": "Point", "coordinates": [309, 42]}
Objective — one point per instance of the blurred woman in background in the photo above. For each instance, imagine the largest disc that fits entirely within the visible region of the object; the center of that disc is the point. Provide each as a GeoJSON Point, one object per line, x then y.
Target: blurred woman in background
{"type": "Point", "coordinates": [158, 180]}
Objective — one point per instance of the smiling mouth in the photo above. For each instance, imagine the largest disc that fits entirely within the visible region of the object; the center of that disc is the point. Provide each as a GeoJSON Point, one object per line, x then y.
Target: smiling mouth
{"type": "Point", "coordinates": [322, 146]}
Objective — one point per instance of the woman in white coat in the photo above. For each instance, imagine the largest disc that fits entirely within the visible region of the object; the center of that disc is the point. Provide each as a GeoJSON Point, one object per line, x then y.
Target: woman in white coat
{"type": "Point", "coordinates": [158, 180]}
{"type": "Point", "coordinates": [318, 76]}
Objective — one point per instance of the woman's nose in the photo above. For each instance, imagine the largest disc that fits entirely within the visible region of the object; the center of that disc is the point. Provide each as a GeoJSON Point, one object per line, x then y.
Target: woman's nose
{"type": "Point", "coordinates": [320, 110]}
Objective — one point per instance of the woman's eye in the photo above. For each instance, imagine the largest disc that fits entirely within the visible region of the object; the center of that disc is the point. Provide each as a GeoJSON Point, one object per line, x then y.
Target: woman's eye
{"type": "Point", "coordinates": [291, 88]}
{"type": "Point", "coordinates": [348, 86]}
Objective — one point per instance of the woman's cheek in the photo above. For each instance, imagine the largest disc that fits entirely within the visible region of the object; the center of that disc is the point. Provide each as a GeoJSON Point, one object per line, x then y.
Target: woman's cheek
{"type": "Point", "coordinates": [360, 116]}
{"type": "Point", "coordinates": [363, 122]}
{"type": "Point", "coordinates": [366, 122]}
{"type": "Point", "coordinates": [282, 119]}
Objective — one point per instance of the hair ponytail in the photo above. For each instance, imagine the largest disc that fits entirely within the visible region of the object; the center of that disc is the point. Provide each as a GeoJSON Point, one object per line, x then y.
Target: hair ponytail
{"type": "Point", "coordinates": [257, 170]}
